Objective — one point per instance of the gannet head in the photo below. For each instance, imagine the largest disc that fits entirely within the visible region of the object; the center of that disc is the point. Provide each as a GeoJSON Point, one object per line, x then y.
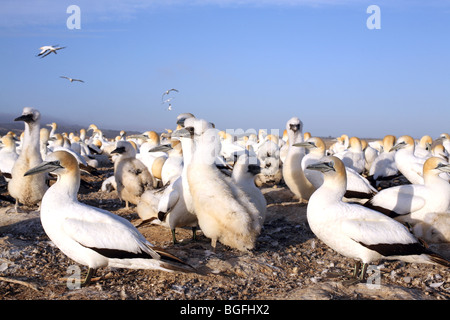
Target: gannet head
{"type": "Point", "coordinates": [439, 151]}
{"type": "Point", "coordinates": [435, 166]}
{"type": "Point", "coordinates": [29, 115]}
{"type": "Point", "coordinates": [294, 124]}
{"type": "Point", "coordinates": [58, 162]}
{"type": "Point", "coordinates": [312, 143]}
{"type": "Point", "coordinates": [355, 143]}
{"type": "Point", "coordinates": [403, 142]}
{"type": "Point", "coordinates": [124, 148]}
{"type": "Point", "coordinates": [333, 170]}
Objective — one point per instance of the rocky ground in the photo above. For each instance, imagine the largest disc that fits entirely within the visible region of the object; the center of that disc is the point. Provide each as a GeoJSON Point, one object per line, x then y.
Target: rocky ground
{"type": "Point", "coordinates": [288, 263]}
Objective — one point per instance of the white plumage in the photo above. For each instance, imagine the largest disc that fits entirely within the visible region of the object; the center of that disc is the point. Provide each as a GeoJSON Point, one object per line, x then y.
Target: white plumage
{"type": "Point", "coordinates": [411, 202]}
{"type": "Point", "coordinates": [293, 174]}
{"type": "Point", "coordinates": [28, 190]}
{"type": "Point", "coordinates": [358, 232]}
{"type": "Point", "coordinates": [407, 163]}
{"type": "Point", "coordinates": [91, 236]}
{"type": "Point", "coordinates": [224, 213]}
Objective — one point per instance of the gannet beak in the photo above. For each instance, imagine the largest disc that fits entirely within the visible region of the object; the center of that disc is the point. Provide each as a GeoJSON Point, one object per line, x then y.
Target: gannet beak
{"type": "Point", "coordinates": [254, 169]}
{"type": "Point", "coordinates": [119, 150]}
{"type": "Point", "coordinates": [322, 166]}
{"type": "Point", "coordinates": [444, 167]}
{"type": "Point", "coordinates": [294, 127]}
{"type": "Point", "coordinates": [46, 166]}
{"type": "Point", "coordinates": [163, 147]}
{"type": "Point", "coordinates": [397, 146]}
{"type": "Point", "coordinates": [303, 144]}
{"type": "Point", "coordinates": [25, 117]}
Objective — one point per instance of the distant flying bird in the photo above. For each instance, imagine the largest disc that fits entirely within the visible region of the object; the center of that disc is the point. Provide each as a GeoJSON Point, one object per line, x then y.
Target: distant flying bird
{"type": "Point", "coordinates": [46, 50]}
{"type": "Point", "coordinates": [167, 92]}
{"type": "Point", "coordinates": [170, 107]}
{"type": "Point", "coordinates": [71, 79]}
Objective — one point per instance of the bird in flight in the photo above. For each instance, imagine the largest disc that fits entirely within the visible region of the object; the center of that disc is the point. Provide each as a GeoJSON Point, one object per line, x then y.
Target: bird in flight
{"type": "Point", "coordinates": [46, 50]}
{"type": "Point", "coordinates": [167, 92]}
{"type": "Point", "coordinates": [170, 107]}
{"type": "Point", "coordinates": [71, 79]}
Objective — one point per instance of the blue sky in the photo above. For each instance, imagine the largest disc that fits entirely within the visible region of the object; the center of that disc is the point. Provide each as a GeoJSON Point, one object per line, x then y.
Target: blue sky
{"type": "Point", "coordinates": [240, 64]}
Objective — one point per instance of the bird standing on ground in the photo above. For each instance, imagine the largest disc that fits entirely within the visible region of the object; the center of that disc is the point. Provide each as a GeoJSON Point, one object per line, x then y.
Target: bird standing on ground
{"type": "Point", "coordinates": [293, 174]}
{"type": "Point", "coordinates": [224, 212]}
{"type": "Point", "coordinates": [358, 232]}
{"type": "Point", "coordinates": [131, 175]}
{"type": "Point", "coordinates": [28, 190]}
{"type": "Point", "coordinates": [91, 236]}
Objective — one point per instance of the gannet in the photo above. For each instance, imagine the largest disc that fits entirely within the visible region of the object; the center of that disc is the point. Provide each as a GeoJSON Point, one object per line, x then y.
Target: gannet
{"type": "Point", "coordinates": [173, 164]}
{"type": "Point", "coordinates": [340, 145]}
{"type": "Point", "coordinates": [92, 236]}
{"type": "Point", "coordinates": [423, 147]}
{"type": "Point", "coordinates": [131, 175]}
{"type": "Point", "coordinates": [8, 154]}
{"type": "Point", "coordinates": [358, 232]}
{"type": "Point", "coordinates": [444, 138]}
{"type": "Point", "coordinates": [174, 206]}
{"type": "Point", "coordinates": [407, 163]}
{"type": "Point", "coordinates": [71, 79]}
{"type": "Point", "coordinates": [357, 185]}
{"type": "Point", "coordinates": [370, 154]}
{"type": "Point", "coordinates": [434, 228]}
{"type": "Point", "coordinates": [54, 126]}
{"type": "Point", "coordinates": [46, 50]}
{"type": "Point", "coordinates": [28, 190]}
{"type": "Point", "coordinates": [167, 92]}
{"type": "Point", "coordinates": [412, 202]}
{"type": "Point", "coordinates": [293, 174]}
{"type": "Point", "coordinates": [384, 164]}
{"type": "Point", "coordinates": [353, 156]}
{"type": "Point", "coordinates": [244, 171]}
{"type": "Point", "coordinates": [224, 212]}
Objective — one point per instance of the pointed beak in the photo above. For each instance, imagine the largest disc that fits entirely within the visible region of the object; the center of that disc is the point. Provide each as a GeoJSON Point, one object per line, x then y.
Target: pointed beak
{"type": "Point", "coordinates": [254, 169]}
{"type": "Point", "coordinates": [444, 167]}
{"type": "Point", "coordinates": [119, 150]}
{"type": "Point", "coordinates": [321, 166]}
{"type": "Point", "coordinates": [25, 117]}
{"type": "Point", "coordinates": [303, 144]}
{"type": "Point", "coordinates": [46, 166]}
{"type": "Point", "coordinates": [397, 146]}
{"type": "Point", "coordinates": [163, 148]}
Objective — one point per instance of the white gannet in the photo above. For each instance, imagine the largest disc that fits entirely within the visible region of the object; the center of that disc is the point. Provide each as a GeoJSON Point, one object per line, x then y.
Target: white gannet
{"type": "Point", "coordinates": [91, 236]}
{"type": "Point", "coordinates": [174, 206]}
{"type": "Point", "coordinates": [353, 156]}
{"type": "Point", "coordinates": [293, 174]}
{"type": "Point", "coordinates": [407, 163]}
{"type": "Point", "coordinates": [423, 147]}
{"type": "Point", "coordinates": [167, 92]}
{"type": "Point", "coordinates": [445, 139]}
{"type": "Point", "coordinates": [357, 185]}
{"type": "Point", "coordinates": [384, 167]}
{"type": "Point", "coordinates": [434, 228]}
{"type": "Point", "coordinates": [46, 50]}
{"type": "Point", "coordinates": [28, 190]}
{"type": "Point", "coordinates": [71, 79]}
{"type": "Point", "coordinates": [8, 154]}
{"type": "Point", "coordinates": [340, 145]}
{"type": "Point", "coordinates": [54, 126]}
{"type": "Point", "coordinates": [370, 153]}
{"type": "Point", "coordinates": [358, 232]}
{"type": "Point", "coordinates": [131, 175]}
{"type": "Point", "coordinates": [244, 171]}
{"type": "Point", "coordinates": [412, 202]}
{"type": "Point", "coordinates": [173, 164]}
{"type": "Point", "coordinates": [224, 212]}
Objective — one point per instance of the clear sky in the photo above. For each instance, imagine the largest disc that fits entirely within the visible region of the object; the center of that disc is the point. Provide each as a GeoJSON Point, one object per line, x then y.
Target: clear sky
{"type": "Point", "coordinates": [240, 64]}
